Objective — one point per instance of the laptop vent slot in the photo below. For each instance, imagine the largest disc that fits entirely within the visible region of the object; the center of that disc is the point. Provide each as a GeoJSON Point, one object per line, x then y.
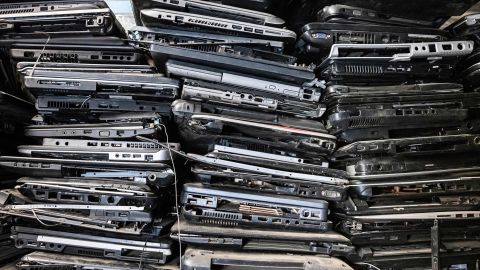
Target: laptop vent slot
{"type": "Point", "coordinates": [203, 47]}
{"type": "Point", "coordinates": [222, 215]}
{"type": "Point", "coordinates": [365, 122]}
{"type": "Point", "coordinates": [92, 253]}
{"type": "Point", "coordinates": [258, 147]}
{"type": "Point", "coordinates": [363, 69]}
{"type": "Point", "coordinates": [59, 57]}
{"type": "Point", "coordinates": [207, 23]}
{"type": "Point", "coordinates": [11, 6]}
{"type": "Point", "coordinates": [219, 222]}
{"type": "Point", "coordinates": [143, 146]}
{"type": "Point", "coordinates": [166, 39]}
{"type": "Point", "coordinates": [25, 10]}
{"type": "Point", "coordinates": [133, 202]}
{"type": "Point", "coordinates": [67, 105]}
{"type": "Point", "coordinates": [355, 38]}
{"type": "Point", "coordinates": [369, 38]}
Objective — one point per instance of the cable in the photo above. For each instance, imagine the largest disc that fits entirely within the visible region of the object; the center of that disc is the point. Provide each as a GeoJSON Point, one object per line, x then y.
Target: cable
{"type": "Point", "coordinates": [41, 222]}
{"type": "Point", "coordinates": [180, 153]}
{"type": "Point", "coordinates": [40, 55]}
{"type": "Point", "coordinates": [371, 265]}
{"type": "Point", "coordinates": [175, 180]}
{"type": "Point", "coordinates": [141, 255]}
{"type": "Point", "coordinates": [83, 103]}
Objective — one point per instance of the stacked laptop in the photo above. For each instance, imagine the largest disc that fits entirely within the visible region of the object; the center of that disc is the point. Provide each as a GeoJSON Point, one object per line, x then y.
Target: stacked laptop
{"type": "Point", "coordinates": [92, 183]}
{"type": "Point", "coordinates": [407, 134]}
{"type": "Point", "coordinates": [14, 114]}
{"type": "Point", "coordinates": [352, 143]}
{"type": "Point", "coordinates": [248, 122]}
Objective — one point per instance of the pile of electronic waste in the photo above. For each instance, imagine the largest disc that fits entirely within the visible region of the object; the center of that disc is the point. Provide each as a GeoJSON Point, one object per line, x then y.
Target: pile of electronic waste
{"type": "Point", "coordinates": [212, 137]}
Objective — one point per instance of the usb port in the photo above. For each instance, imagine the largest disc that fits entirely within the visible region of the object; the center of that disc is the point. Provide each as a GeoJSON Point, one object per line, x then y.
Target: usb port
{"type": "Point", "coordinates": [236, 27]}
{"type": "Point", "coordinates": [259, 31]}
{"type": "Point", "coordinates": [248, 29]}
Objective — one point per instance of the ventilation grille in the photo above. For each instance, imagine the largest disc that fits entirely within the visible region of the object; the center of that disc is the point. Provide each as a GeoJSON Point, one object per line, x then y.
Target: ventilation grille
{"type": "Point", "coordinates": [133, 202]}
{"type": "Point", "coordinates": [165, 39]}
{"type": "Point", "coordinates": [13, 11]}
{"type": "Point", "coordinates": [67, 105]}
{"type": "Point", "coordinates": [92, 253]}
{"type": "Point", "coordinates": [363, 69]}
{"type": "Point", "coordinates": [59, 57]}
{"type": "Point", "coordinates": [143, 145]}
{"type": "Point", "coordinates": [203, 47]}
{"type": "Point", "coordinates": [12, 6]}
{"type": "Point", "coordinates": [219, 222]}
{"type": "Point", "coordinates": [355, 38]}
{"type": "Point", "coordinates": [365, 122]}
{"type": "Point", "coordinates": [207, 23]}
{"type": "Point", "coordinates": [221, 215]}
